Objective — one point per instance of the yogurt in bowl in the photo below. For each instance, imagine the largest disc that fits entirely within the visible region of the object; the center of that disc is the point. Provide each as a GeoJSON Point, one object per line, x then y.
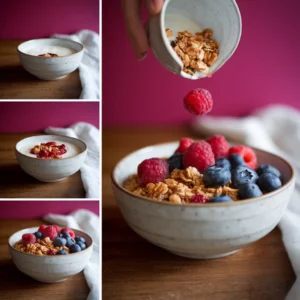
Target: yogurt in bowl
{"type": "Point", "coordinates": [50, 59]}
{"type": "Point", "coordinates": [53, 164]}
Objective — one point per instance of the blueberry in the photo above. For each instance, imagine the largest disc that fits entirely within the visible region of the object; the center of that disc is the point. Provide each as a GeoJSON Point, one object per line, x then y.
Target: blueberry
{"type": "Point", "coordinates": [59, 242]}
{"type": "Point", "coordinates": [61, 252]}
{"type": "Point", "coordinates": [224, 163]}
{"type": "Point", "coordinates": [268, 182]}
{"type": "Point", "coordinates": [80, 239]}
{"type": "Point", "coordinates": [215, 176]}
{"type": "Point", "coordinates": [65, 234]}
{"type": "Point", "coordinates": [243, 174]}
{"type": "Point", "coordinates": [38, 235]}
{"type": "Point", "coordinates": [220, 199]}
{"type": "Point", "coordinates": [175, 162]}
{"type": "Point", "coordinates": [236, 160]}
{"type": "Point", "coordinates": [249, 190]}
{"type": "Point", "coordinates": [262, 169]}
{"type": "Point", "coordinates": [81, 245]}
{"type": "Point", "coordinates": [60, 235]}
{"type": "Point", "coordinates": [70, 241]}
{"type": "Point", "coordinates": [75, 248]}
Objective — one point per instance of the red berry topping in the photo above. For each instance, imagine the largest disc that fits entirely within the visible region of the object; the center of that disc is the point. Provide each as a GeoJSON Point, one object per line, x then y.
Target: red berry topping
{"type": "Point", "coordinates": [219, 146]}
{"type": "Point", "coordinates": [247, 153]}
{"type": "Point", "coordinates": [42, 228]}
{"type": "Point", "coordinates": [51, 232]}
{"type": "Point", "coordinates": [198, 102]}
{"type": "Point", "coordinates": [71, 232]}
{"type": "Point", "coordinates": [184, 144]}
{"type": "Point", "coordinates": [199, 199]}
{"type": "Point", "coordinates": [57, 228]}
{"type": "Point", "coordinates": [152, 170]}
{"type": "Point", "coordinates": [51, 252]}
{"type": "Point", "coordinates": [199, 155]}
{"type": "Point", "coordinates": [28, 238]}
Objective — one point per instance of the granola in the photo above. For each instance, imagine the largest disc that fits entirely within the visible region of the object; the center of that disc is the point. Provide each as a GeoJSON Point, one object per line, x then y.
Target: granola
{"type": "Point", "coordinates": [180, 187]}
{"type": "Point", "coordinates": [198, 52]}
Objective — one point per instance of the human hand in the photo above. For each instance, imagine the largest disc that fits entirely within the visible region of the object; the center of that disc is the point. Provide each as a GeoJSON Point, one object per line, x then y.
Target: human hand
{"type": "Point", "coordinates": [135, 30]}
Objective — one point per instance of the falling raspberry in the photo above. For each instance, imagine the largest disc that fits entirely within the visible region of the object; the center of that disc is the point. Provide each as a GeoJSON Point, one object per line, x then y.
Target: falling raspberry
{"type": "Point", "coordinates": [198, 102]}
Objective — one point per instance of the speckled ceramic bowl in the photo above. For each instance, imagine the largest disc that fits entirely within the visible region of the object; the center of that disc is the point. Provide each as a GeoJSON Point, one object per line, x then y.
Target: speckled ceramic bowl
{"type": "Point", "coordinates": [49, 269]}
{"type": "Point", "coordinates": [201, 230]}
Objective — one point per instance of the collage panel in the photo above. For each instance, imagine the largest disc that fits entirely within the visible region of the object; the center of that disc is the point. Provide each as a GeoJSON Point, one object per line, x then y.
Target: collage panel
{"type": "Point", "coordinates": [50, 50]}
{"type": "Point", "coordinates": [49, 249]}
{"type": "Point", "coordinates": [49, 150]}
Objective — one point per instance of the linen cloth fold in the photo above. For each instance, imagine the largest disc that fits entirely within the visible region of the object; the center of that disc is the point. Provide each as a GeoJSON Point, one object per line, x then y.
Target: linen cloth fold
{"type": "Point", "coordinates": [89, 66]}
{"type": "Point", "coordinates": [88, 222]}
{"type": "Point", "coordinates": [90, 173]}
{"type": "Point", "coordinates": [275, 129]}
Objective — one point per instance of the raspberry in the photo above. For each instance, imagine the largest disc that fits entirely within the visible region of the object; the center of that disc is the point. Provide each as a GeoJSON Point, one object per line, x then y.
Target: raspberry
{"type": "Point", "coordinates": [57, 228]}
{"type": "Point", "coordinates": [219, 146]}
{"type": "Point", "coordinates": [42, 228]}
{"type": "Point", "coordinates": [71, 232]}
{"type": "Point", "coordinates": [51, 252]}
{"type": "Point", "coordinates": [28, 238]}
{"type": "Point", "coordinates": [152, 170]}
{"type": "Point", "coordinates": [51, 232]}
{"type": "Point", "coordinates": [184, 144]}
{"type": "Point", "coordinates": [199, 155]}
{"type": "Point", "coordinates": [198, 102]}
{"type": "Point", "coordinates": [247, 153]}
{"type": "Point", "coordinates": [199, 199]}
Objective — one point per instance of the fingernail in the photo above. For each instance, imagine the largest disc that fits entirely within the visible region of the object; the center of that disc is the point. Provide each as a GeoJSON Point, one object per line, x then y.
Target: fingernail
{"type": "Point", "coordinates": [142, 56]}
{"type": "Point", "coordinates": [150, 6]}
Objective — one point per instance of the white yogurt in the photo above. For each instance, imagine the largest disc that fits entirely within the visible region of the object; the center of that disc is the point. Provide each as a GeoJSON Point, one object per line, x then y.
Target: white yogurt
{"type": "Point", "coordinates": [60, 51]}
{"type": "Point", "coordinates": [72, 150]}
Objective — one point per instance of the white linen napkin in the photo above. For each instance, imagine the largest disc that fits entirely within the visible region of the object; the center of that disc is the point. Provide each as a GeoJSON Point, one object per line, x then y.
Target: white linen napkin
{"type": "Point", "coordinates": [89, 66]}
{"type": "Point", "coordinates": [88, 222]}
{"type": "Point", "coordinates": [90, 173]}
{"type": "Point", "coordinates": [275, 129]}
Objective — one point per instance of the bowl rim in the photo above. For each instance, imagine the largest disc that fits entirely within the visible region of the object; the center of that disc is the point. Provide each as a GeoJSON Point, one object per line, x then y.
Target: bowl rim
{"type": "Point", "coordinates": [234, 203]}
{"type": "Point", "coordinates": [174, 55]}
{"type": "Point", "coordinates": [42, 159]}
{"type": "Point", "coordinates": [35, 228]}
{"type": "Point", "coordinates": [43, 57]}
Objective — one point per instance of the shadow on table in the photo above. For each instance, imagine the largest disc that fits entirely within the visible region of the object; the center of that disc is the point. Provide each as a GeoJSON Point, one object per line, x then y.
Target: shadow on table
{"type": "Point", "coordinates": [14, 174]}
{"type": "Point", "coordinates": [13, 74]}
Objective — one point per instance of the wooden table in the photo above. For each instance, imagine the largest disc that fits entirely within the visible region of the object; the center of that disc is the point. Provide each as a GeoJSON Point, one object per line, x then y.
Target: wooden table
{"type": "Point", "coordinates": [15, 183]}
{"type": "Point", "coordinates": [134, 269]}
{"type": "Point", "coordinates": [16, 285]}
{"type": "Point", "coordinates": [16, 83]}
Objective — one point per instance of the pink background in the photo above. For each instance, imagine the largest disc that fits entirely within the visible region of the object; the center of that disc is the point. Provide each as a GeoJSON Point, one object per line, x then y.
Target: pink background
{"type": "Point", "coordinates": [263, 70]}
{"type": "Point", "coordinates": [36, 116]}
{"type": "Point", "coordinates": [37, 209]}
{"type": "Point", "coordinates": [29, 19]}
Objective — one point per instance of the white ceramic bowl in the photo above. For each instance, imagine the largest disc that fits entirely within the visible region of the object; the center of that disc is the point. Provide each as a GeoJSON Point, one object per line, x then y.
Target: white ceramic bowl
{"type": "Point", "coordinates": [46, 268]}
{"type": "Point", "coordinates": [201, 230]}
{"type": "Point", "coordinates": [50, 170]}
{"type": "Point", "coordinates": [50, 68]}
{"type": "Point", "coordinates": [222, 16]}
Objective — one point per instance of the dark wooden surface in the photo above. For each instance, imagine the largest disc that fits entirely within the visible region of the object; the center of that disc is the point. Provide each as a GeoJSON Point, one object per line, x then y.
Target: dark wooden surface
{"type": "Point", "coordinates": [134, 269]}
{"type": "Point", "coordinates": [14, 285]}
{"type": "Point", "coordinates": [17, 83]}
{"type": "Point", "coordinates": [15, 183]}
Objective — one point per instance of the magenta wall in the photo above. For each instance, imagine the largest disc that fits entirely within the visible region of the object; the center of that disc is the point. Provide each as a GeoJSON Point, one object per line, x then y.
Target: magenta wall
{"type": "Point", "coordinates": [263, 70]}
{"type": "Point", "coordinates": [37, 209]}
{"type": "Point", "coordinates": [26, 19]}
{"type": "Point", "coordinates": [36, 116]}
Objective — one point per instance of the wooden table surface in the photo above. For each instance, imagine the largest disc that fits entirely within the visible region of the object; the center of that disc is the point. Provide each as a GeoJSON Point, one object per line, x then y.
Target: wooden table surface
{"type": "Point", "coordinates": [17, 83]}
{"type": "Point", "coordinates": [134, 269]}
{"type": "Point", "coordinates": [15, 183]}
{"type": "Point", "coordinates": [16, 285]}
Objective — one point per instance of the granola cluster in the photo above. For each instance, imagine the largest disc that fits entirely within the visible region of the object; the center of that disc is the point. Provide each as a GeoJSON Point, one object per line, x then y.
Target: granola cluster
{"type": "Point", "coordinates": [49, 55]}
{"type": "Point", "coordinates": [180, 187]}
{"type": "Point", "coordinates": [198, 52]}
{"type": "Point", "coordinates": [40, 247]}
{"type": "Point", "coordinates": [49, 150]}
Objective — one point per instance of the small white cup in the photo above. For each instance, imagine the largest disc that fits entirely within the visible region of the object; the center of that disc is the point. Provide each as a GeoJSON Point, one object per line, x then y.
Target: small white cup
{"type": "Point", "coordinates": [222, 16]}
